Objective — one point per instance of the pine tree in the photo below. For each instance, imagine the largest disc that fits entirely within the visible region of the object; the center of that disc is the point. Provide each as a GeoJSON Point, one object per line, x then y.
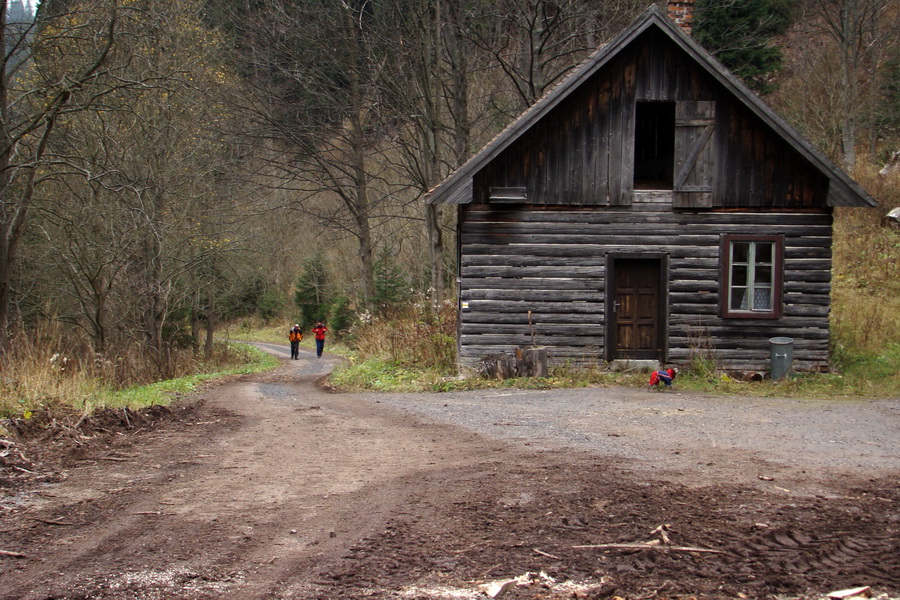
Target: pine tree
{"type": "Point", "coordinates": [740, 33]}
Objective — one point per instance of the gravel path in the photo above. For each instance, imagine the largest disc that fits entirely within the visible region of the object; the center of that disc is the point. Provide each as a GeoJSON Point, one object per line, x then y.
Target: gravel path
{"type": "Point", "coordinates": [753, 439]}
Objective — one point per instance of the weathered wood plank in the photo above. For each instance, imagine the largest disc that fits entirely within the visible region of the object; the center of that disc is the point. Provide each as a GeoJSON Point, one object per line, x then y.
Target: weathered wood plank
{"type": "Point", "coordinates": [807, 333]}
{"type": "Point", "coordinates": [483, 309]}
{"type": "Point", "coordinates": [732, 349]}
{"type": "Point", "coordinates": [817, 223]}
{"type": "Point", "coordinates": [683, 320]}
{"type": "Point", "coordinates": [561, 250]}
{"type": "Point", "coordinates": [523, 339]}
{"type": "Point", "coordinates": [525, 260]}
{"type": "Point", "coordinates": [544, 271]}
{"type": "Point", "coordinates": [529, 295]}
{"type": "Point", "coordinates": [798, 234]}
{"type": "Point", "coordinates": [542, 330]}
{"type": "Point", "coordinates": [598, 239]}
{"type": "Point", "coordinates": [542, 319]}
{"type": "Point", "coordinates": [543, 283]}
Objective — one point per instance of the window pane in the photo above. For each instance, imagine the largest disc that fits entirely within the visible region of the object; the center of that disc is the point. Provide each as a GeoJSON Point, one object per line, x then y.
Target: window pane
{"type": "Point", "coordinates": [764, 252]}
{"type": "Point", "coordinates": [740, 299]}
{"type": "Point", "coordinates": [740, 252]}
{"type": "Point", "coordinates": [762, 298]}
{"type": "Point", "coordinates": [762, 275]}
{"type": "Point", "coordinates": [739, 276]}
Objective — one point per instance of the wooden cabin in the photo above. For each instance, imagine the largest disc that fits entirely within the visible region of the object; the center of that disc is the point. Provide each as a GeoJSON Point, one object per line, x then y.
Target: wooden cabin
{"type": "Point", "coordinates": [650, 207]}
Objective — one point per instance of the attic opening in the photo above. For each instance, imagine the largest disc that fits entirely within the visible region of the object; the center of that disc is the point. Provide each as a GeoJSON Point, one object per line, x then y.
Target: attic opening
{"type": "Point", "coordinates": [654, 145]}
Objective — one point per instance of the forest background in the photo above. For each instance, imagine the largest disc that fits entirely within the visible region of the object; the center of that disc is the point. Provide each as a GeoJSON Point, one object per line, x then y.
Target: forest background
{"type": "Point", "coordinates": [170, 171]}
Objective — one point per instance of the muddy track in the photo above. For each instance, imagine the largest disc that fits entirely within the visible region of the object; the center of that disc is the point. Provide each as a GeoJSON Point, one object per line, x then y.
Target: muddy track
{"type": "Point", "coordinates": [270, 487]}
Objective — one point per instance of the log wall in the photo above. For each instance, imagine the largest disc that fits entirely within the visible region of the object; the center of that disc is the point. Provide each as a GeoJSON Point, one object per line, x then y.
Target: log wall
{"type": "Point", "coordinates": [552, 261]}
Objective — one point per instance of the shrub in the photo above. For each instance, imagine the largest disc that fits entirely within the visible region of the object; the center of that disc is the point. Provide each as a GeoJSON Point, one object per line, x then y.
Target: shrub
{"type": "Point", "coordinates": [411, 336]}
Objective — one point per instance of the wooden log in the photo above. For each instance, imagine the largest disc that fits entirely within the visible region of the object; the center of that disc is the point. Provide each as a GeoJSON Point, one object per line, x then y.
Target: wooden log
{"type": "Point", "coordinates": [798, 234]}
{"type": "Point", "coordinates": [535, 283]}
{"type": "Point", "coordinates": [542, 271]}
{"type": "Point", "coordinates": [530, 296]}
{"type": "Point", "coordinates": [540, 331]}
{"type": "Point", "coordinates": [492, 311]}
{"type": "Point", "coordinates": [528, 260]}
{"type": "Point", "coordinates": [525, 339]}
{"type": "Point", "coordinates": [483, 212]}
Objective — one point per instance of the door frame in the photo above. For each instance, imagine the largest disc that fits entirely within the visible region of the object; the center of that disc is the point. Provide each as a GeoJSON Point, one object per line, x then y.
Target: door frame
{"type": "Point", "coordinates": [662, 341]}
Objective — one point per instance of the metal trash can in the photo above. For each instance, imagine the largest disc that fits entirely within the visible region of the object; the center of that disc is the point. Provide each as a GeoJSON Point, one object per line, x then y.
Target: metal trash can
{"type": "Point", "coordinates": [781, 355]}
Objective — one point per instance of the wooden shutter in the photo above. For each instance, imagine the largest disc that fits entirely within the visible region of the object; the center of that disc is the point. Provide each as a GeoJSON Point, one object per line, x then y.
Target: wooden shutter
{"type": "Point", "coordinates": [621, 151]}
{"type": "Point", "coordinates": [694, 154]}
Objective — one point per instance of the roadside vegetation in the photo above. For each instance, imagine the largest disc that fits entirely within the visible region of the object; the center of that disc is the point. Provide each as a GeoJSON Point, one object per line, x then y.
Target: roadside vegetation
{"type": "Point", "coordinates": [50, 374]}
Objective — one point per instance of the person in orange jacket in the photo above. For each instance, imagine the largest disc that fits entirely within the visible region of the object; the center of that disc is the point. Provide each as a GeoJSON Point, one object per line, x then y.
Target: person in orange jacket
{"type": "Point", "coordinates": [320, 330]}
{"type": "Point", "coordinates": [295, 336]}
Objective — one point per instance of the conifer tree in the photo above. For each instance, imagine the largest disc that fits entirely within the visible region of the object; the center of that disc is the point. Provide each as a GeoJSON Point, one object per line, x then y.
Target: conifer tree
{"type": "Point", "coordinates": [740, 34]}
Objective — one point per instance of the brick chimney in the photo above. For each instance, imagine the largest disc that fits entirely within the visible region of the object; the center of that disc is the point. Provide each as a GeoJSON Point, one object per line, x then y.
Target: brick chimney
{"type": "Point", "coordinates": [682, 12]}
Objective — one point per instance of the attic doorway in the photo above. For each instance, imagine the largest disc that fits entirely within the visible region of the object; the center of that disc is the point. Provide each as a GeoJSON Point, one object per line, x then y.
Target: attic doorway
{"type": "Point", "coordinates": [654, 145]}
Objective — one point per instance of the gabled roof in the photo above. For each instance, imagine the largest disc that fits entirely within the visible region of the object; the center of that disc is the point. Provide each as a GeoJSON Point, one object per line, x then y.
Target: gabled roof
{"type": "Point", "coordinates": [457, 188]}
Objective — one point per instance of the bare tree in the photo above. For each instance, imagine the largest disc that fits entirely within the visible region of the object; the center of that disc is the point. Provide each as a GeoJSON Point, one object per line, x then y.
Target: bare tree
{"type": "Point", "coordinates": [316, 68]}
{"type": "Point", "coordinates": [32, 102]}
{"type": "Point", "coordinates": [861, 31]}
{"type": "Point", "coordinates": [145, 172]}
{"type": "Point", "coordinates": [535, 43]}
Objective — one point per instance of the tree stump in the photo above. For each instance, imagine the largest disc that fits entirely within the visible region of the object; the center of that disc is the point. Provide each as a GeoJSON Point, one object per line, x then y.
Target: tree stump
{"type": "Point", "coordinates": [530, 361]}
{"type": "Point", "coordinates": [533, 360]}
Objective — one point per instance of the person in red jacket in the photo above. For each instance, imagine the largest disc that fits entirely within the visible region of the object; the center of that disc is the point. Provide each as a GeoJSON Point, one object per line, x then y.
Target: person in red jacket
{"type": "Point", "coordinates": [320, 330]}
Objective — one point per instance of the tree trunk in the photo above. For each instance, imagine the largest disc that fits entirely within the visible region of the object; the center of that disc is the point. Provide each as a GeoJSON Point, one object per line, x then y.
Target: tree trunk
{"type": "Point", "coordinates": [361, 212]}
{"type": "Point", "coordinates": [435, 119]}
{"type": "Point", "coordinates": [358, 148]}
{"type": "Point", "coordinates": [211, 320]}
{"type": "Point", "coordinates": [195, 317]}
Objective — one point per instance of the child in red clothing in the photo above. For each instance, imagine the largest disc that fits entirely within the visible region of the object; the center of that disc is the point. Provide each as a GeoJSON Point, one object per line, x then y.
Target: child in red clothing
{"type": "Point", "coordinates": [666, 378]}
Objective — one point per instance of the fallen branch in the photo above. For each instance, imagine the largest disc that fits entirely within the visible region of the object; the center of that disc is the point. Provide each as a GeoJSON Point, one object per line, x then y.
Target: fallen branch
{"type": "Point", "coordinates": [548, 555]}
{"type": "Point", "coordinates": [51, 522]}
{"type": "Point", "coordinates": [645, 546]}
{"type": "Point", "coordinates": [12, 554]}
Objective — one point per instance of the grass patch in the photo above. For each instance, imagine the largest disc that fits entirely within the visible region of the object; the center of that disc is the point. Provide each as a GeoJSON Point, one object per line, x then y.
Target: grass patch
{"type": "Point", "coordinates": [164, 392]}
{"type": "Point", "coordinates": [55, 383]}
{"type": "Point", "coordinates": [863, 376]}
{"type": "Point", "coordinates": [380, 375]}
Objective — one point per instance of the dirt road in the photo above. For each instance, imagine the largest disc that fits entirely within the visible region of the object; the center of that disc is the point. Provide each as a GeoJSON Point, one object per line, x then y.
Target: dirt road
{"type": "Point", "coordinates": [273, 488]}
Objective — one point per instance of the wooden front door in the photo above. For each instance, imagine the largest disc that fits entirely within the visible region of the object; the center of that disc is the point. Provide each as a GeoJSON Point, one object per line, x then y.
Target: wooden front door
{"type": "Point", "coordinates": [636, 315]}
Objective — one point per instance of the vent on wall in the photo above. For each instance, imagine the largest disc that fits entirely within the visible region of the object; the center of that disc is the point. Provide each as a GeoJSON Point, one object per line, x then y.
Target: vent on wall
{"type": "Point", "coordinates": [508, 194]}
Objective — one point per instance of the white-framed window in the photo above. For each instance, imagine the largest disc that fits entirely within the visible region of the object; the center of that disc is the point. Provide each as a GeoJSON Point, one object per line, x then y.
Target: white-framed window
{"type": "Point", "coordinates": [752, 268]}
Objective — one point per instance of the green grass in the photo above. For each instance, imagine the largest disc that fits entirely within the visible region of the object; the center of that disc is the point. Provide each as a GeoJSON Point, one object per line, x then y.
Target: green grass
{"type": "Point", "coordinates": [862, 376]}
{"type": "Point", "coordinates": [164, 392]}
{"type": "Point", "coordinates": [76, 392]}
{"type": "Point", "coordinates": [381, 375]}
